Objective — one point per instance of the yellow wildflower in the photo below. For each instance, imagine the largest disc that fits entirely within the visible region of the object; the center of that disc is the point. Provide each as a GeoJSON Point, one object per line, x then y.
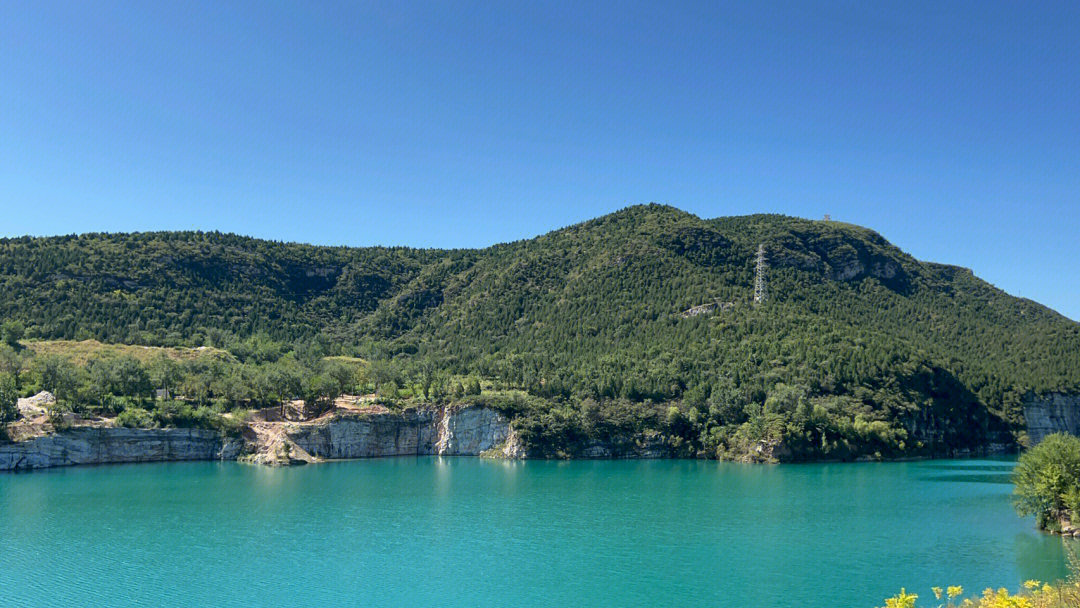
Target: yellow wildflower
{"type": "Point", "coordinates": [937, 592]}
{"type": "Point", "coordinates": [1002, 599]}
{"type": "Point", "coordinates": [954, 591]}
{"type": "Point", "coordinates": [1032, 584]}
{"type": "Point", "coordinates": [902, 600]}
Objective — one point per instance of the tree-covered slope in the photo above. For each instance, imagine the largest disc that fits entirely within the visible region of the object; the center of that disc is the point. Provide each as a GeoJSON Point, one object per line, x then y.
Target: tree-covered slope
{"type": "Point", "coordinates": [599, 303]}
{"type": "Point", "coordinates": [170, 287]}
{"type": "Point", "coordinates": [593, 312]}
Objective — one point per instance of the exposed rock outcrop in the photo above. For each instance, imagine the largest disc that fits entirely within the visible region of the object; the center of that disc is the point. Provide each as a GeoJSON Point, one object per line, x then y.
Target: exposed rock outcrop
{"type": "Point", "coordinates": [1051, 413]}
{"type": "Point", "coordinates": [513, 448]}
{"type": "Point", "coordinates": [766, 450]}
{"type": "Point", "coordinates": [86, 445]}
{"type": "Point", "coordinates": [32, 407]}
{"type": "Point", "coordinates": [450, 432]}
{"type": "Point", "coordinates": [470, 431]}
{"type": "Point", "coordinates": [279, 452]}
{"type": "Point", "coordinates": [466, 431]}
{"type": "Point", "coordinates": [367, 435]}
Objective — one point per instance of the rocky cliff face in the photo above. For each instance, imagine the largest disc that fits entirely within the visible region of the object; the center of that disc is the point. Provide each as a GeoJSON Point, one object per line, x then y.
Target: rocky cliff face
{"type": "Point", "coordinates": [111, 445]}
{"type": "Point", "coordinates": [1051, 413]}
{"type": "Point", "coordinates": [463, 432]}
{"type": "Point", "coordinates": [470, 431]}
{"type": "Point", "coordinates": [366, 435]}
{"type": "Point", "coordinates": [451, 432]}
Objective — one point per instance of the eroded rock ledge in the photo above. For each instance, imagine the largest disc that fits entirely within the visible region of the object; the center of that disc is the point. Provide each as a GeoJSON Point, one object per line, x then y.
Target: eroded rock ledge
{"type": "Point", "coordinates": [467, 431]}
{"type": "Point", "coordinates": [98, 445]}
{"type": "Point", "coordinates": [367, 433]}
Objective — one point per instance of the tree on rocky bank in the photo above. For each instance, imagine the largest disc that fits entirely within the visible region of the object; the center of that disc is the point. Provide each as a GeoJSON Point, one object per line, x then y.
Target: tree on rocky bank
{"type": "Point", "coordinates": [1047, 482]}
{"type": "Point", "coordinates": [9, 400]}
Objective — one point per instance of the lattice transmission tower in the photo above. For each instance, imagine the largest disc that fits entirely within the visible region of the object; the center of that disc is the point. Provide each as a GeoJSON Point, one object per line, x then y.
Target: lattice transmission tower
{"type": "Point", "coordinates": [760, 287]}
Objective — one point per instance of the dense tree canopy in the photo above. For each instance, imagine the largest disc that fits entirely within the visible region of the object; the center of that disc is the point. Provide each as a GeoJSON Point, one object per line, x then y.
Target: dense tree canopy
{"type": "Point", "coordinates": [1047, 481]}
{"type": "Point", "coordinates": [858, 343]}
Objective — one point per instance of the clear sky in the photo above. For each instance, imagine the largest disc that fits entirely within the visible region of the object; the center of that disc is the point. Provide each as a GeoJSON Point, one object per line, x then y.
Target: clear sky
{"type": "Point", "coordinates": [951, 128]}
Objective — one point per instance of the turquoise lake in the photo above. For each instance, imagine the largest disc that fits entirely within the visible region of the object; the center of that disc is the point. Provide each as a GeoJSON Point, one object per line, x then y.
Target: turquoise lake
{"type": "Point", "coordinates": [463, 532]}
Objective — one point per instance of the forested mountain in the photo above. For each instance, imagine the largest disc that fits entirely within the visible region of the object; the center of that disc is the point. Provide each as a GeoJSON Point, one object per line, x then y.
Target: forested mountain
{"type": "Point", "coordinates": [594, 312]}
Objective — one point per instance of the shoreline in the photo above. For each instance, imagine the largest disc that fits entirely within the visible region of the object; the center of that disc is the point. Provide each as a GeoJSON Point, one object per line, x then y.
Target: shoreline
{"type": "Point", "coordinates": [474, 431]}
{"type": "Point", "coordinates": [1005, 457]}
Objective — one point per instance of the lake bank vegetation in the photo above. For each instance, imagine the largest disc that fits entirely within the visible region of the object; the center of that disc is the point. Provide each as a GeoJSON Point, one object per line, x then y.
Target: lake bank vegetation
{"type": "Point", "coordinates": [640, 323]}
{"type": "Point", "coordinates": [1032, 594]}
{"type": "Point", "coordinates": [1047, 484]}
{"type": "Point", "coordinates": [212, 387]}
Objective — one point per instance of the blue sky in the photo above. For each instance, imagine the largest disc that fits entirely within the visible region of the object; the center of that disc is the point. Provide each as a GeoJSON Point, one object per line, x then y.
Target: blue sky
{"type": "Point", "coordinates": [951, 128]}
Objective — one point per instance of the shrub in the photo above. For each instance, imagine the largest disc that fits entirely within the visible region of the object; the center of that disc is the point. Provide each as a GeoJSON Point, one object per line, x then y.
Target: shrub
{"type": "Point", "coordinates": [136, 418]}
{"type": "Point", "coordinates": [1034, 594]}
{"type": "Point", "coordinates": [1047, 480]}
{"type": "Point", "coordinates": [58, 415]}
{"type": "Point", "coordinates": [233, 424]}
{"type": "Point", "coordinates": [9, 400]}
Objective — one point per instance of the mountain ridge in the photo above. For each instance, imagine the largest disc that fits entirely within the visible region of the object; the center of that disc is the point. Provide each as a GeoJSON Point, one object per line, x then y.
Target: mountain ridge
{"type": "Point", "coordinates": [589, 311]}
{"type": "Point", "coordinates": [753, 217]}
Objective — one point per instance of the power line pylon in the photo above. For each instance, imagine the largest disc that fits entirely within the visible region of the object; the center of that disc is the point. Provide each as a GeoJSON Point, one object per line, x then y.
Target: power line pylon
{"type": "Point", "coordinates": [760, 293]}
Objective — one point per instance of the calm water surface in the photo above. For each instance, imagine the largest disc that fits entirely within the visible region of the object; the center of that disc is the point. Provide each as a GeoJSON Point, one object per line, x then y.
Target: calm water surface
{"type": "Point", "coordinates": [466, 532]}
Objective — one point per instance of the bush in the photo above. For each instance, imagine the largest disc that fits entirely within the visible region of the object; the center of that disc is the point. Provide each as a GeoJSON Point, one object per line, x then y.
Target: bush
{"type": "Point", "coordinates": [113, 404]}
{"type": "Point", "coordinates": [9, 400]}
{"type": "Point", "coordinates": [1033, 594]}
{"type": "Point", "coordinates": [1047, 480]}
{"type": "Point", "coordinates": [232, 425]}
{"type": "Point", "coordinates": [179, 414]}
{"type": "Point", "coordinates": [136, 418]}
{"type": "Point", "coordinates": [58, 415]}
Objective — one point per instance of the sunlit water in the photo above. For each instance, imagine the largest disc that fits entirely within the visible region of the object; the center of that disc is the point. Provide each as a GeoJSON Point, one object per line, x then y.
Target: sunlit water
{"type": "Point", "coordinates": [467, 532]}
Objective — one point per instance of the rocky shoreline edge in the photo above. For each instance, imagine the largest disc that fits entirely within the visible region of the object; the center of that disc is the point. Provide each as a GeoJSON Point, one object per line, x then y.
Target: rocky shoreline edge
{"type": "Point", "coordinates": [338, 435]}
{"type": "Point", "coordinates": [467, 431]}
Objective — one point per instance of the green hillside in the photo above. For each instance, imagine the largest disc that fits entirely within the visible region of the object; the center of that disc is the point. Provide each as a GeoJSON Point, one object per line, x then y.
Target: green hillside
{"type": "Point", "coordinates": [859, 348]}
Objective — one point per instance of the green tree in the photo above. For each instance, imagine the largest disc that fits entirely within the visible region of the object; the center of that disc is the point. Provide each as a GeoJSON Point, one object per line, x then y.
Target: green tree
{"type": "Point", "coordinates": [426, 373]}
{"type": "Point", "coordinates": [11, 331]}
{"type": "Point", "coordinates": [131, 377]}
{"type": "Point", "coordinates": [12, 361]}
{"type": "Point", "coordinates": [473, 387]}
{"type": "Point", "coordinates": [309, 353]}
{"type": "Point", "coordinates": [343, 375]}
{"type": "Point", "coordinates": [57, 375]}
{"type": "Point", "coordinates": [286, 381]}
{"type": "Point", "coordinates": [9, 400]}
{"type": "Point", "coordinates": [440, 386]}
{"type": "Point", "coordinates": [120, 376]}
{"type": "Point", "coordinates": [1047, 480]}
{"type": "Point", "coordinates": [165, 374]}
{"type": "Point", "coordinates": [383, 372]}
{"type": "Point", "coordinates": [99, 376]}
{"type": "Point", "coordinates": [319, 391]}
